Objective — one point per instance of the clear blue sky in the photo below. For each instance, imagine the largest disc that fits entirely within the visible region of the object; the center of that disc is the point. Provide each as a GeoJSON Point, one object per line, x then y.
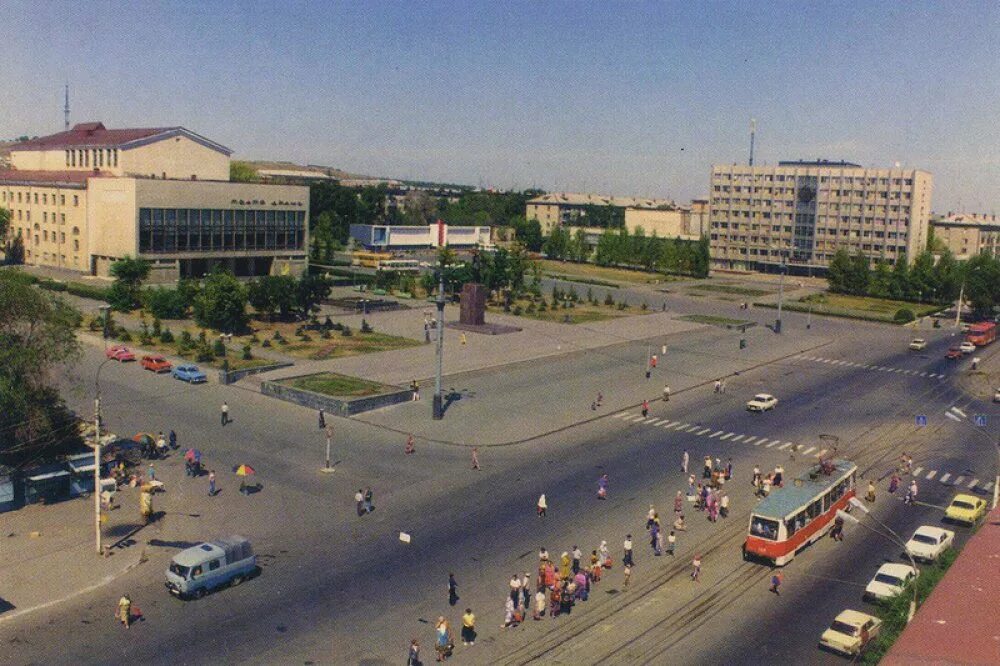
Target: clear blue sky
{"type": "Point", "coordinates": [623, 98]}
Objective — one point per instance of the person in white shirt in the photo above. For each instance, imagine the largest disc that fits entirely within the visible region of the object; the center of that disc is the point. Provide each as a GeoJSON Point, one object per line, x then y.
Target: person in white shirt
{"type": "Point", "coordinates": [515, 589]}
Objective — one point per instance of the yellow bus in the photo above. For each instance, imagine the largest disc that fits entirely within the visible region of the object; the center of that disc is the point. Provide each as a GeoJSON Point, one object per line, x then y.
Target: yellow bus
{"type": "Point", "coordinates": [369, 259]}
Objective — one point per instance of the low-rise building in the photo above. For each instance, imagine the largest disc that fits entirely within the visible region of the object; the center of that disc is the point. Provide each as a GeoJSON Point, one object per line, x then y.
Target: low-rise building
{"type": "Point", "coordinates": [405, 237]}
{"type": "Point", "coordinates": [569, 209]}
{"type": "Point", "coordinates": [83, 198]}
{"type": "Point", "coordinates": [672, 222]}
{"type": "Point", "coordinates": [968, 234]}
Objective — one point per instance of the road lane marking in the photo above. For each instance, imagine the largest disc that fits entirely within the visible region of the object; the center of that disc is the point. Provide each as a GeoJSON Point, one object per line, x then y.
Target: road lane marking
{"type": "Point", "coordinates": [738, 438]}
{"type": "Point", "coordinates": [930, 474]}
{"type": "Point", "coordinates": [715, 434]}
{"type": "Point", "coordinates": [726, 436]}
{"type": "Point", "coordinates": [649, 420]}
{"type": "Point", "coordinates": [917, 471]}
{"type": "Point", "coordinates": [974, 484]}
{"type": "Point", "coordinates": [661, 422]}
{"type": "Point", "coordinates": [679, 427]}
{"type": "Point", "coordinates": [784, 446]}
{"type": "Point", "coordinates": [773, 442]}
{"type": "Point", "coordinates": [959, 480]}
{"type": "Point", "coordinates": [703, 431]}
{"type": "Point", "coordinates": [944, 477]}
{"type": "Point", "coordinates": [809, 450]}
{"type": "Point", "coordinates": [691, 429]}
{"type": "Point", "coordinates": [750, 439]}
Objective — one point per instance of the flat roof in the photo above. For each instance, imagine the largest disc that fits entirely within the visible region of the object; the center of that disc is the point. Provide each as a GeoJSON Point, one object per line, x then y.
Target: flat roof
{"type": "Point", "coordinates": [819, 163]}
{"type": "Point", "coordinates": [959, 622]}
{"type": "Point", "coordinates": [796, 493]}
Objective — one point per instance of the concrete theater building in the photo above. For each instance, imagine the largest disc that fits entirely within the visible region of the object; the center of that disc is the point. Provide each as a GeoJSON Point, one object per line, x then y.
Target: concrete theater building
{"type": "Point", "coordinates": [83, 198]}
{"type": "Point", "coordinates": [800, 213]}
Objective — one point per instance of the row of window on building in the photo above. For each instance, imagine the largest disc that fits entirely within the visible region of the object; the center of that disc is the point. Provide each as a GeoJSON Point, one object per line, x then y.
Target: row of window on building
{"type": "Point", "coordinates": [8, 196]}
{"type": "Point", "coordinates": [821, 231]}
{"type": "Point", "coordinates": [850, 181]}
{"type": "Point", "coordinates": [164, 230]}
{"type": "Point", "coordinates": [895, 216]}
{"type": "Point", "coordinates": [25, 215]}
{"type": "Point", "coordinates": [97, 157]}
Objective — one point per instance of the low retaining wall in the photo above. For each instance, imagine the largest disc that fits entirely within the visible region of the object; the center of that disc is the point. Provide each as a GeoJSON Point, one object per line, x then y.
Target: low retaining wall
{"type": "Point", "coordinates": [331, 405]}
{"type": "Point", "coordinates": [235, 375]}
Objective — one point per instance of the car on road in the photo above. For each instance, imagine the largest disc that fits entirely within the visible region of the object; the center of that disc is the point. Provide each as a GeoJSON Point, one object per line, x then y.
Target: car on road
{"type": "Point", "coordinates": [928, 542]}
{"type": "Point", "coordinates": [189, 373]}
{"type": "Point", "coordinates": [916, 344]}
{"type": "Point", "coordinates": [953, 353]}
{"type": "Point", "coordinates": [762, 402]}
{"type": "Point", "coordinates": [850, 632]}
{"type": "Point", "coordinates": [967, 347]}
{"type": "Point", "coordinates": [965, 509]}
{"type": "Point", "coordinates": [120, 353]}
{"type": "Point", "coordinates": [156, 363]}
{"type": "Point", "coordinates": [890, 580]}
{"type": "Point", "coordinates": [199, 569]}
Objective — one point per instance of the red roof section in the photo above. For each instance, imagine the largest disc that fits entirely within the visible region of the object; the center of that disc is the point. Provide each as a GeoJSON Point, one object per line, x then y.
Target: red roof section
{"type": "Point", "coordinates": [44, 177]}
{"type": "Point", "coordinates": [959, 623]}
{"type": "Point", "coordinates": [89, 135]}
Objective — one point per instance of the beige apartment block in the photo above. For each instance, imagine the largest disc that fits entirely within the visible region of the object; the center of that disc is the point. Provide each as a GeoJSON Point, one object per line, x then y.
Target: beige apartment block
{"type": "Point", "coordinates": [565, 208]}
{"type": "Point", "coordinates": [161, 194]}
{"type": "Point", "coordinates": [968, 234]}
{"type": "Point", "coordinates": [676, 223]}
{"type": "Point", "coordinates": [798, 214]}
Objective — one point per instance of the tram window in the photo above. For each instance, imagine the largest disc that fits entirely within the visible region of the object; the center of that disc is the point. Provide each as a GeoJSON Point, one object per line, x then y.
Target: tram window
{"type": "Point", "coordinates": [764, 528]}
{"type": "Point", "coordinates": [826, 502]}
{"type": "Point", "coordinates": [790, 526]}
{"type": "Point", "coordinates": [814, 509]}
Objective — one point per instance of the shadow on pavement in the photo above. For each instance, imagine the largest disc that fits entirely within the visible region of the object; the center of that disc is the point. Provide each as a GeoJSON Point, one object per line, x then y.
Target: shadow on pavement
{"type": "Point", "coordinates": [160, 543]}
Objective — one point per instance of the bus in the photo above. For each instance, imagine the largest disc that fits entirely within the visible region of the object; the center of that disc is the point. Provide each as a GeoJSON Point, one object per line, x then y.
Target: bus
{"type": "Point", "coordinates": [982, 334]}
{"type": "Point", "coordinates": [792, 517]}
{"type": "Point", "coordinates": [402, 265]}
{"type": "Point", "coordinates": [369, 259]}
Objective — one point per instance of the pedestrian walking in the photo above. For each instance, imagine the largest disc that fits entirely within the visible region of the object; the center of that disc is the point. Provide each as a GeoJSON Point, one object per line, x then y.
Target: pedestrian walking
{"type": "Point", "coordinates": [678, 503]}
{"type": "Point", "coordinates": [173, 439]}
{"type": "Point", "coordinates": [600, 398]}
{"type": "Point", "coordinates": [685, 459]}
{"type": "Point", "coordinates": [468, 627]}
{"type": "Point", "coordinates": [654, 539]}
{"type": "Point", "coordinates": [475, 457]}
{"type": "Point", "coordinates": [577, 556]}
{"type": "Point", "coordinates": [706, 472]}
{"type": "Point", "coordinates": [124, 611]}
{"type": "Point", "coordinates": [443, 641]}
{"type": "Point", "coordinates": [508, 613]}
{"type": "Point", "coordinates": [724, 506]}
{"type": "Point", "coordinates": [369, 506]}
{"type": "Point", "coordinates": [602, 487]}
{"type": "Point", "coordinates": [410, 448]}
{"type": "Point", "coordinates": [415, 388]}
{"type": "Point", "coordinates": [893, 482]}
{"type": "Point", "coordinates": [870, 496]}
{"type": "Point", "coordinates": [765, 486]}
{"type": "Point", "coordinates": [359, 499]}
{"type": "Point", "coordinates": [718, 386]}
{"type": "Point", "coordinates": [462, 338]}
{"type": "Point", "coordinates": [645, 408]}
{"type": "Point", "coordinates": [650, 516]}
{"type": "Point", "coordinates": [627, 559]}
{"type": "Point", "coordinates": [755, 480]}
{"type": "Point", "coordinates": [779, 476]}
{"type": "Point", "coordinates": [322, 420]}
{"type": "Point", "coordinates": [722, 386]}
{"type": "Point", "coordinates": [911, 494]}
{"type": "Point", "coordinates": [729, 470]}
{"type": "Point", "coordinates": [152, 472]}
{"type": "Point", "coordinates": [604, 555]}
{"type": "Point", "coordinates": [628, 576]}
{"type": "Point", "coordinates": [679, 524]}
{"type": "Point", "coordinates": [515, 589]}
{"type": "Point", "coordinates": [653, 361]}
{"type": "Point", "coordinates": [211, 483]}
{"type": "Point", "coordinates": [837, 533]}
{"type": "Point", "coordinates": [526, 591]}
{"type": "Point", "coordinates": [224, 414]}
{"type": "Point", "coordinates": [452, 590]}
{"type": "Point", "coordinates": [666, 394]}
{"type": "Point", "coordinates": [543, 506]}
{"type": "Point", "coordinates": [161, 445]}
{"type": "Point", "coordinates": [696, 569]}
{"type": "Point", "coordinates": [776, 581]}
{"type": "Point", "coordinates": [659, 542]}
{"type": "Point", "coordinates": [671, 543]}
{"type": "Point", "coordinates": [539, 604]}
{"type": "Point", "coordinates": [413, 654]}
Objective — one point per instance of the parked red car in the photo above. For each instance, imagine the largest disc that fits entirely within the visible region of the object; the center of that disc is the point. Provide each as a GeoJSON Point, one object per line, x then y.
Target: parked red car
{"type": "Point", "coordinates": [953, 353]}
{"type": "Point", "coordinates": [120, 353]}
{"type": "Point", "coordinates": [156, 363]}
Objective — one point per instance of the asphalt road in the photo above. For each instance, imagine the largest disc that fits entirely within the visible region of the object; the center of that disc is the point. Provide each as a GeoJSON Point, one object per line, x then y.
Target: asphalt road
{"type": "Point", "coordinates": [336, 588]}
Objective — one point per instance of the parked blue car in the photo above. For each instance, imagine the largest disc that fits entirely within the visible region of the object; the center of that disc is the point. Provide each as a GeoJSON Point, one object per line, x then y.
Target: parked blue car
{"type": "Point", "coordinates": [189, 373]}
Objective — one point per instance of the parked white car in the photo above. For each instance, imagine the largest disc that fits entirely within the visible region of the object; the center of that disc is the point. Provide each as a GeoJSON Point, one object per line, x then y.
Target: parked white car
{"type": "Point", "coordinates": [890, 580]}
{"type": "Point", "coordinates": [928, 542]}
{"type": "Point", "coordinates": [967, 347]}
{"type": "Point", "coordinates": [850, 632]}
{"type": "Point", "coordinates": [762, 402]}
{"type": "Point", "coordinates": [916, 344]}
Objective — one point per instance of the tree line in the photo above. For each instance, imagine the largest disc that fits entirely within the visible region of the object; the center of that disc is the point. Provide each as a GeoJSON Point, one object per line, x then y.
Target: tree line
{"type": "Point", "coordinates": [635, 250]}
{"type": "Point", "coordinates": [925, 281]}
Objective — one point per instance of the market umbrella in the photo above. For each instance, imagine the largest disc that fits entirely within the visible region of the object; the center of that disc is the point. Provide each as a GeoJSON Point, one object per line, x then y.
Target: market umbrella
{"type": "Point", "coordinates": [144, 438]}
{"type": "Point", "coordinates": [244, 470]}
{"type": "Point", "coordinates": [192, 454]}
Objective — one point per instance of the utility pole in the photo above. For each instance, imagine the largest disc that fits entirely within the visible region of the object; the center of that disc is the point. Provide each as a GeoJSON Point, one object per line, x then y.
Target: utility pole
{"type": "Point", "coordinates": [958, 310]}
{"type": "Point", "coordinates": [781, 295]}
{"type": "Point", "coordinates": [753, 131]}
{"type": "Point", "coordinates": [438, 405]}
{"type": "Point", "coordinates": [329, 438]}
{"type": "Point", "coordinates": [97, 471]}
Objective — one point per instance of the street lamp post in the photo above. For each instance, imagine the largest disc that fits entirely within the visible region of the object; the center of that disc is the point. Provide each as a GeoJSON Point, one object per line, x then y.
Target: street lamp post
{"type": "Point", "coordinates": [895, 538]}
{"type": "Point", "coordinates": [438, 406]}
{"type": "Point", "coordinates": [781, 294]}
{"type": "Point", "coordinates": [97, 456]}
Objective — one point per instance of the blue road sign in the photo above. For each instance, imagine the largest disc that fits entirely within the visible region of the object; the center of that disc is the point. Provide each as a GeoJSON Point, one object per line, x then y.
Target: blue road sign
{"type": "Point", "coordinates": [921, 420]}
{"type": "Point", "coordinates": [980, 420]}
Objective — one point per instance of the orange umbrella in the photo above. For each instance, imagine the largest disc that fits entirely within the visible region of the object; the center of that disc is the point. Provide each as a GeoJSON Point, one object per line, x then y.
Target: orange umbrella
{"type": "Point", "coordinates": [244, 470]}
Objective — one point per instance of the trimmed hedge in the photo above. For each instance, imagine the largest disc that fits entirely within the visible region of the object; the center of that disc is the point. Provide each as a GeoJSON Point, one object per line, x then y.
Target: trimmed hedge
{"type": "Point", "coordinates": [75, 288]}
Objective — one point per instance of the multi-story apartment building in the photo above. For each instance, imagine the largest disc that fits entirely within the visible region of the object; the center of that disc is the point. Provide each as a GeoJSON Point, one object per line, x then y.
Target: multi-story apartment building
{"type": "Point", "coordinates": [799, 214]}
{"type": "Point", "coordinates": [968, 234]}
{"type": "Point", "coordinates": [564, 208]}
{"type": "Point", "coordinates": [83, 198]}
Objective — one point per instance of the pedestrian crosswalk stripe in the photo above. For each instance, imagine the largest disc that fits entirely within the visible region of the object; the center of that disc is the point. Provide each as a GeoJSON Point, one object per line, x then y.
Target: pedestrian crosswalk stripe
{"type": "Point", "coordinates": [930, 474]}
{"type": "Point", "coordinates": [703, 431]}
{"type": "Point", "coordinates": [749, 439]}
{"type": "Point", "coordinates": [726, 436]}
{"type": "Point", "coordinates": [820, 454]}
{"type": "Point", "coordinates": [668, 423]}
{"type": "Point", "coordinates": [959, 480]}
{"type": "Point", "coordinates": [944, 477]}
{"type": "Point", "coordinates": [773, 442]}
{"type": "Point", "coordinates": [917, 471]}
{"type": "Point", "coordinates": [784, 446]}
{"type": "Point", "coordinates": [691, 429]}
{"type": "Point", "coordinates": [988, 485]}
{"type": "Point", "coordinates": [923, 374]}
{"type": "Point", "coordinates": [762, 440]}
{"type": "Point", "coordinates": [650, 420]}
{"type": "Point", "coordinates": [974, 483]}
{"type": "Point", "coordinates": [638, 417]}
{"type": "Point", "coordinates": [678, 427]}
{"type": "Point", "coordinates": [661, 422]}
{"type": "Point", "coordinates": [715, 434]}
{"type": "Point", "coordinates": [738, 438]}
{"type": "Point", "coordinates": [809, 450]}
{"type": "Point", "coordinates": [621, 415]}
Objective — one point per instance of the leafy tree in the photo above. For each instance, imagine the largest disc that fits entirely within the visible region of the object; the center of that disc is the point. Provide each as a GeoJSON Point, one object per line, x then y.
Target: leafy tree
{"type": "Point", "coordinates": [580, 250]}
{"type": "Point", "coordinates": [528, 232]}
{"type": "Point", "coordinates": [982, 283]}
{"type": "Point", "coordinates": [419, 207]}
{"type": "Point", "coordinates": [557, 243]}
{"type": "Point", "coordinates": [37, 334]}
{"type": "Point", "coordinates": [14, 251]}
{"type": "Point", "coordinates": [4, 222]}
{"type": "Point", "coordinates": [221, 304]}
{"type": "Point", "coordinates": [947, 275]}
{"type": "Point", "coordinates": [923, 282]}
{"type": "Point", "coordinates": [188, 290]}
{"type": "Point", "coordinates": [899, 286]}
{"type": "Point", "coordinates": [839, 271]}
{"type": "Point", "coordinates": [859, 276]}
{"type": "Point", "coordinates": [272, 293]}
{"type": "Point", "coordinates": [242, 172]}
{"type": "Point", "coordinates": [445, 256]}
{"type": "Point", "coordinates": [881, 280]}
{"type": "Point", "coordinates": [164, 303]}
{"type": "Point", "coordinates": [125, 291]}
{"type": "Point", "coordinates": [310, 291]}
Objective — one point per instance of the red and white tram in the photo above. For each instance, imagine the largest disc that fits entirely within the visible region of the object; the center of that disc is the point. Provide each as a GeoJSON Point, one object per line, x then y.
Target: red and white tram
{"type": "Point", "coordinates": [802, 511]}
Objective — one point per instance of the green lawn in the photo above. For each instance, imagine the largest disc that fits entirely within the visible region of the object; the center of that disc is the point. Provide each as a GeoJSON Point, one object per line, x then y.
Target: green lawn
{"type": "Point", "coordinates": [858, 307]}
{"type": "Point", "coordinates": [716, 321]}
{"type": "Point", "coordinates": [570, 270]}
{"type": "Point", "coordinates": [730, 289]}
{"type": "Point", "coordinates": [329, 383]}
